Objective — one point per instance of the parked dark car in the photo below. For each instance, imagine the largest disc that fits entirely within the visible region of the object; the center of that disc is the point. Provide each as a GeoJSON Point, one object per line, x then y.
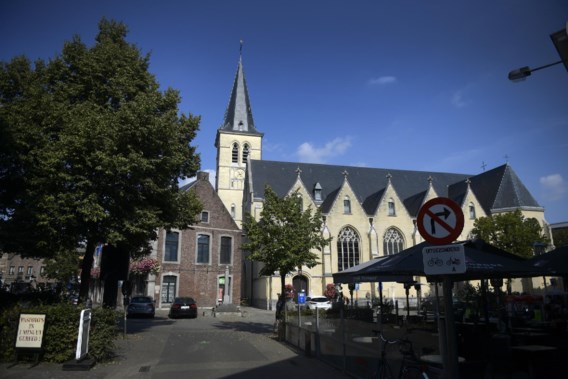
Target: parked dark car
{"type": "Point", "coordinates": [141, 306]}
{"type": "Point", "coordinates": [183, 307]}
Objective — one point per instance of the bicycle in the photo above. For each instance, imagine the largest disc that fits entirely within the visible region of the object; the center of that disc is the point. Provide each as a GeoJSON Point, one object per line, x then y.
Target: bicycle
{"type": "Point", "coordinates": [384, 370]}
{"type": "Point", "coordinates": [412, 368]}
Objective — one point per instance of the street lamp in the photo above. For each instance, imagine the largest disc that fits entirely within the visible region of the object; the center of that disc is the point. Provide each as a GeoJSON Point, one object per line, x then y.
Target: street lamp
{"type": "Point", "coordinates": [522, 73]}
{"type": "Point", "coordinates": [560, 40]}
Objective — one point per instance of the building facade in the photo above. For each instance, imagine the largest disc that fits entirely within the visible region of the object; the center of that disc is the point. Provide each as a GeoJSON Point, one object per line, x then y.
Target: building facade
{"type": "Point", "coordinates": [17, 272]}
{"type": "Point", "coordinates": [368, 212]}
{"type": "Point", "coordinates": [203, 261]}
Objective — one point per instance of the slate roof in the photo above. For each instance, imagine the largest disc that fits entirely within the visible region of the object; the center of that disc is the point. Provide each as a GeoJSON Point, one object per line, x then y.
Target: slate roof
{"type": "Point", "coordinates": [501, 188]}
{"type": "Point", "coordinates": [238, 116]}
{"type": "Point", "coordinates": [495, 189]}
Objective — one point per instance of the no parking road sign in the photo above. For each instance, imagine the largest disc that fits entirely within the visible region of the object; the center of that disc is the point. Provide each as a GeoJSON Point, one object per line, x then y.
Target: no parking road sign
{"type": "Point", "coordinates": [440, 221]}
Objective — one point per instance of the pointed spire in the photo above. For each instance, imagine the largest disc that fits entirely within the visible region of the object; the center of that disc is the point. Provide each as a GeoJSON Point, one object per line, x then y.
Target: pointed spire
{"type": "Point", "coordinates": [238, 116]}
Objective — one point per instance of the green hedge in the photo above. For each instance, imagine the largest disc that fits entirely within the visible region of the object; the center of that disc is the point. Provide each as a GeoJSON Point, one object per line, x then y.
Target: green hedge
{"type": "Point", "coordinates": [60, 335]}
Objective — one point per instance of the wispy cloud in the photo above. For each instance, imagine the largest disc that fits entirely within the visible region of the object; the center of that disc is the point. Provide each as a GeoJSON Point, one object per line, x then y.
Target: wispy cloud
{"type": "Point", "coordinates": [313, 154]}
{"type": "Point", "coordinates": [459, 99]}
{"type": "Point", "coordinates": [554, 187]}
{"type": "Point", "coordinates": [382, 80]}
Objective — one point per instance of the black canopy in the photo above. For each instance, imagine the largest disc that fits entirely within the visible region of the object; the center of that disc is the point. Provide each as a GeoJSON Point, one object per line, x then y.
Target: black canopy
{"type": "Point", "coordinates": [483, 261]}
{"type": "Point", "coordinates": [553, 263]}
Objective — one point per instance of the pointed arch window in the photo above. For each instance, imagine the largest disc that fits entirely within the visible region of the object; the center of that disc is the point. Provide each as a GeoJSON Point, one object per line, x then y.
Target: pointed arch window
{"type": "Point", "coordinates": [346, 205]}
{"type": "Point", "coordinates": [246, 151]}
{"type": "Point", "coordinates": [348, 243]}
{"type": "Point", "coordinates": [235, 155]}
{"type": "Point", "coordinates": [300, 201]}
{"type": "Point", "coordinates": [392, 209]}
{"type": "Point", "coordinates": [471, 211]}
{"type": "Point", "coordinates": [233, 211]}
{"type": "Point", "coordinates": [393, 242]}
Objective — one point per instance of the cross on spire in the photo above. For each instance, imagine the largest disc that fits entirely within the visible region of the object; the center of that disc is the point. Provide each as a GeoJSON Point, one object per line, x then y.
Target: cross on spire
{"type": "Point", "coordinates": [483, 165]}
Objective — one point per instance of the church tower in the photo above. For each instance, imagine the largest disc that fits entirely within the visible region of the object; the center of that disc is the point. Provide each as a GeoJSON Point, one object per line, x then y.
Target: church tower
{"type": "Point", "coordinates": [237, 142]}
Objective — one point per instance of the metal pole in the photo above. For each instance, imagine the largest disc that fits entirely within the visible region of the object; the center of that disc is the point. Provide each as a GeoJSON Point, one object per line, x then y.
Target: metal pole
{"type": "Point", "coordinates": [124, 335]}
{"type": "Point", "coordinates": [451, 361]}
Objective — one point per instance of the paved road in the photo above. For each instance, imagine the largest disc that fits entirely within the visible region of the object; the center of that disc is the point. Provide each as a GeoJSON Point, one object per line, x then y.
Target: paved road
{"type": "Point", "coordinates": [206, 347]}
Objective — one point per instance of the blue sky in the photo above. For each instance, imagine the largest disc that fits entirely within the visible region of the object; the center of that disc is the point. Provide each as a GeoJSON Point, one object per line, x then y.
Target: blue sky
{"type": "Point", "coordinates": [418, 85]}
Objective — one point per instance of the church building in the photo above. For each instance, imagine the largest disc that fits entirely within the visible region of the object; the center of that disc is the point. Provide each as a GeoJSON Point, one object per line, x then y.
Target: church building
{"type": "Point", "coordinates": [369, 212]}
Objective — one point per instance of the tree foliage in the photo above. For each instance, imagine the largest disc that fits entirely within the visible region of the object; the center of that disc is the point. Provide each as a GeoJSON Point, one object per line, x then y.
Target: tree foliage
{"type": "Point", "coordinates": [511, 232]}
{"type": "Point", "coordinates": [284, 237]}
{"type": "Point", "coordinates": [560, 237]}
{"type": "Point", "coordinates": [91, 150]}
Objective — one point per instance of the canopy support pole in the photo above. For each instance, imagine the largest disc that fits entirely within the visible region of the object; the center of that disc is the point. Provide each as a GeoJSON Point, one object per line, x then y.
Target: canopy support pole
{"type": "Point", "coordinates": [451, 358]}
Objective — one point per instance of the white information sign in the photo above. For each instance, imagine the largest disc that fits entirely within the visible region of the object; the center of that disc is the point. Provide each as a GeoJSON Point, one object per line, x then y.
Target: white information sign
{"type": "Point", "coordinates": [444, 259]}
{"type": "Point", "coordinates": [30, 331]}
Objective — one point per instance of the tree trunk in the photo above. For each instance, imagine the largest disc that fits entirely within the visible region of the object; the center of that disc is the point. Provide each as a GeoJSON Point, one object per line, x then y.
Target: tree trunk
{"type": "Point", "coordinates": [86, 271]}
{"type": "Point", "coordinates": [110, 291]}
{"type": "Point", "coordinates": [283, 286]}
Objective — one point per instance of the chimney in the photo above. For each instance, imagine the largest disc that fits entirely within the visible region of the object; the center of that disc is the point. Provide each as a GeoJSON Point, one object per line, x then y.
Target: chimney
{"type": "Point", "coordinates": [201, 175]}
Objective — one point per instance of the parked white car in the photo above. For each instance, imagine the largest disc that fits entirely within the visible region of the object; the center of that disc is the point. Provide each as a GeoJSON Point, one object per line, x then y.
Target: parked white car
{"type": "Point", "coordinates": [318, 302]}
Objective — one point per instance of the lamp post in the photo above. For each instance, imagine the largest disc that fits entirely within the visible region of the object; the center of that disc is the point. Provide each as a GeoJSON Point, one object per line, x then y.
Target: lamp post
{"type": "Point", "coordinates": [560, 41]}
{"type": "Point", "coordinates": [523, 72]}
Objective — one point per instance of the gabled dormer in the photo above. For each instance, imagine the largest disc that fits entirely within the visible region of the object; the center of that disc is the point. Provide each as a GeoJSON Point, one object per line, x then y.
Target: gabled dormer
{"type": "Point", "coordinates": [390, 204]}
{"type": "Point", "coordinates": [299, 189]}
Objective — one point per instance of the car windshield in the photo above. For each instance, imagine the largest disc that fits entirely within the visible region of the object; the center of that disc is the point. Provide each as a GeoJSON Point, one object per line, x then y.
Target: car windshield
{"type": "Point", "coordinates": [141, 300]}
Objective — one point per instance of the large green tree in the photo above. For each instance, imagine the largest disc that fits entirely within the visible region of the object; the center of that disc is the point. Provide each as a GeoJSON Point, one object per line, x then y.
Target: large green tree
{"type": "Point", "coordinates": [560, 237]}
{"type": "Point", "coordinates": [91, 151]}
{"type": "Point", "coordinates": [285, 235]}
{"type": "Point", "coordinates": [511, 232]}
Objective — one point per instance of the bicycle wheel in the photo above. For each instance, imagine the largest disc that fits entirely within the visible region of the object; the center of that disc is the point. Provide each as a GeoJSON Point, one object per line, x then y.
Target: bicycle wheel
{"type": "Point", "coordinates": [411, 372]}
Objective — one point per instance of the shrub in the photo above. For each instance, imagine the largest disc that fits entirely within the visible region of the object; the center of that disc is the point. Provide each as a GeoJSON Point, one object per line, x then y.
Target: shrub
{"type": "Point", "coordinates": [60, 334]}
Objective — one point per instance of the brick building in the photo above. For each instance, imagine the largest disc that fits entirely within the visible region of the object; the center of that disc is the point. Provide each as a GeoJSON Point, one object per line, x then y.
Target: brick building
{"type": "Point", "coordinates": [203, 261]}
{"type": "Point", "coordinates": [14, 268]}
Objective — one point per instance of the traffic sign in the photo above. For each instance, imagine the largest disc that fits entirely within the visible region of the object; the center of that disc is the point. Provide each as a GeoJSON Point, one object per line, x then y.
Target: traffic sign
{"type": "Point", "coordinates": [440, 221]}
{"type": "Point", "coordinates": [301, 297]}
{"type": "Point", "coordinates": [444, 259]}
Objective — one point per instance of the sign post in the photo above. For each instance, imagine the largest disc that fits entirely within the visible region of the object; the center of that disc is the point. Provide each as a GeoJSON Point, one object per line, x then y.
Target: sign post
{"type": "Point", "coordinates": [440, 221]}
{"type": "Point", "coordinates": [301, 301]}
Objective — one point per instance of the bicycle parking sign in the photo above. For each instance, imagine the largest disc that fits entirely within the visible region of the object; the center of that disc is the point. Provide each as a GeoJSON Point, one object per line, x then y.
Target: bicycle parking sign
{"type": "Point", "coordinates": [448, 259]}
